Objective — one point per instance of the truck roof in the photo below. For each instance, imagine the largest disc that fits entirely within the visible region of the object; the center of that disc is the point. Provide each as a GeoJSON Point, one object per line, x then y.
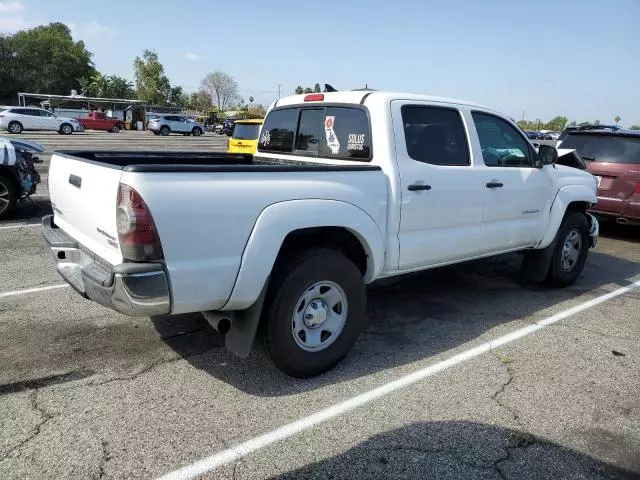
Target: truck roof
{"type": "Point", "coordinates": [362, 95]}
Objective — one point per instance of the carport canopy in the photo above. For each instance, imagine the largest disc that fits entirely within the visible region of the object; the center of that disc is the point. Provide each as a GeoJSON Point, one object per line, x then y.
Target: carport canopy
{"type": "Point", "coordinates": [57, 100]}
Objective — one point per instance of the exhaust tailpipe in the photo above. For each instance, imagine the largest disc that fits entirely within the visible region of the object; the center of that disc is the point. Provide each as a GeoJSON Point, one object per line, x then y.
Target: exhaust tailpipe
{"type": "Point", "coordinates": [220, 322]}
{"type": "Point", "coordinates": [622, 221]}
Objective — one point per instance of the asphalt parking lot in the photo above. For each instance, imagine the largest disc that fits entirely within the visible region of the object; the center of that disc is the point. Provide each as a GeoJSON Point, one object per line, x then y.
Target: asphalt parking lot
{"type": "Point", "coordinates": [463, 372]}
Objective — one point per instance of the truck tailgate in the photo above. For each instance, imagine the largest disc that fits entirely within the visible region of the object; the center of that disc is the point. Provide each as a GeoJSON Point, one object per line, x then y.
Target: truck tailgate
{"type": "Point", "coordinates": [83, 196]}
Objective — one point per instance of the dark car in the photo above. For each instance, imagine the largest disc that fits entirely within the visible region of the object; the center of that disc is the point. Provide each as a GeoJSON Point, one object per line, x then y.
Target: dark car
{"type": "Point", "coordinates": [613, 157]}
{"type": "Point", "coordinates": [531, 135]}
{"type": "Point", "coordinates": [227, 126]}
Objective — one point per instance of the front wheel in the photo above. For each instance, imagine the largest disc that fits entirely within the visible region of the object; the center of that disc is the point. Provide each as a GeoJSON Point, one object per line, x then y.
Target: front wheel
{"type": "Point", "coordinates": [8, 196]}
{"type": "Point", "coordinates": [570, 253]}
{"type": "Point", "coordinates": [315, 310]}
{"type": "Point", "coordinates": [66, 129]}
{"type": "Point", "coordinates": [15, 127]}
{"type": "Point", "coordinates": [196, 132]}
{"type": "Point", "coordinates": [115, 129]}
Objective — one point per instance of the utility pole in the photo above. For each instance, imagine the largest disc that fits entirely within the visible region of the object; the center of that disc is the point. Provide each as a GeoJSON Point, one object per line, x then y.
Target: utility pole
{"type": "Point", "coordinates": [279, 86]}
{"type": "Point", "coordinates": [523, 112]}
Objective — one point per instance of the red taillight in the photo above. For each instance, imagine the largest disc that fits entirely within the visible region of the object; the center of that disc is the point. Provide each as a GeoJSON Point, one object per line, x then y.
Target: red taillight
{"type": "Point", "coordinates": [314, 97]}
{"type": "Point", "coordinates": [637, 190]}
{"type": "Point", "coordinates": [137, 232]}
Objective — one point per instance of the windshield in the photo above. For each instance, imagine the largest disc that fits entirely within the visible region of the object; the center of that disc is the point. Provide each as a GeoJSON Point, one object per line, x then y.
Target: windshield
{"type": "Point", "coordinates": [605, 148]}
{"type": "Point", "coordinates": [246, 131]}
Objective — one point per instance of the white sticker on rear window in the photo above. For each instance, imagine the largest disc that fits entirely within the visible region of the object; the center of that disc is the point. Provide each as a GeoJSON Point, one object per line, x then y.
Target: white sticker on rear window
{"type": "Point", "coordinates": [265, 140]}
{"type": "Point", "coordinates": [356, 141]}
{"type": "Point", "coordinates": [330, 135]}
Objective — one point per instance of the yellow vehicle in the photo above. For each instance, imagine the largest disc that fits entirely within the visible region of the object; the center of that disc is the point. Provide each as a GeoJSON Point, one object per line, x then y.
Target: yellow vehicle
{"type": "Point", "coordinates": [244, 138]}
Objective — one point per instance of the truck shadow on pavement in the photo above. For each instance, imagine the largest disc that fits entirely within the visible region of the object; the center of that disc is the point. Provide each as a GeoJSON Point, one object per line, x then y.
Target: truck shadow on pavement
{"type": "Point", "coordinates": [410, 319]}
{"type": "Point", "coordinates": [463, 449]}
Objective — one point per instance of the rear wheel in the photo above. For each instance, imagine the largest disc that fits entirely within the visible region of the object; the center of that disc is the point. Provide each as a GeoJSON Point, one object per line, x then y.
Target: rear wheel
{"type": "Point", "coordinates": [66, 129]}
{"type": "Point", "coordinates": [164, 131]}
{"type": "Point", "coordinates": [314, 312]}
{"type": "Point", "coordinates": [15, 127]}
{"type": "Point", "coordinates": [8, 196]}
{"type": "Point", "coordinates": [570, 253]}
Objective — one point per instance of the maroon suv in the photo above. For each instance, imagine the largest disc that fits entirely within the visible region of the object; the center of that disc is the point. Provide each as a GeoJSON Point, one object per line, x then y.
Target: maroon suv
{"type": "Point", "coordinates": [613, 157]}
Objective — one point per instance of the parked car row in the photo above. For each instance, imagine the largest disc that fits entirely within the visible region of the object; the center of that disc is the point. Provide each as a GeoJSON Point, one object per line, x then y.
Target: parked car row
{"type": "Point", "coordinates": [533, 135]}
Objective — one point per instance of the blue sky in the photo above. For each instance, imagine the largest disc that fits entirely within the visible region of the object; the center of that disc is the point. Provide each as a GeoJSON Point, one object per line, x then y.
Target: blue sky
{"type": "Point", "coordinates": [573, 57]}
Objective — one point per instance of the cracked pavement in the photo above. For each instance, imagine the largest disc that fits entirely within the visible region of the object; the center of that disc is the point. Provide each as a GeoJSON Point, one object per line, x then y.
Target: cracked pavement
{"type": "Point", "coordinates": [87, 393]}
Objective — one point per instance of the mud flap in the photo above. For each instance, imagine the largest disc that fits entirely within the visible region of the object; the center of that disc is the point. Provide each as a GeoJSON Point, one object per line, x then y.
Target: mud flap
{"type": "Point", "coordinates": [244, 325]}
{"type": "Point", "coordinates": [536, 263]}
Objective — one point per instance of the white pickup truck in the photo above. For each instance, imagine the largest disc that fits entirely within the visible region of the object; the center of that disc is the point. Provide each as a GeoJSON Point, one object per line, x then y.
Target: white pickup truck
{"type": "Point", "coordinates": [345, 188]}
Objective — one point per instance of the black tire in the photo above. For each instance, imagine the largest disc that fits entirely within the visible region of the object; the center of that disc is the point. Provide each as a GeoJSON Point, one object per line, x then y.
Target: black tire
{"type": "Point", "coordinates": [290, 281]}
{"type": "Point", "coordinates": [8, 197]}
{"type": "Point", "coordinates": [164, 131]}
{"type": "Point", "coordinates": [155, 132]}
{"type": "Point", "coordinates": [15, 127]}
{"type": "Point", "coordinates": [197, 131]}
{"type": "Point", "coordinates": [66, 129]}
{"type": "Point", "coordinates": [115, 129]}
{"type": "Point", "coordinates": [563, 274]}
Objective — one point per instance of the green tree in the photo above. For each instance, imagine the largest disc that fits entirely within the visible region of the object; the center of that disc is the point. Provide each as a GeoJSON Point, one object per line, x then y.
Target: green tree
{"type": "Point", "coordinates": [44, 59]}
{"type": "Point", "coordinates": [176, 96]}
{"type": "Point", "coordinates": [299, 90]}
{"type": "Point", "coordinates": [200, 101]}
{"type": "Point", "coordinates": [222, 88]}
{"type": "Point", "coordinates": [635, 127]}
{"type": "Point", "coordinates": [617, 119]}
{"type": "Point", "coordinates": [316, 88]}
{"type": "Point", "coordinates": [557, 124]}
{"type": "Point", "coordinates": [152, 85]}
{"type": "Point", "coordinates": [596, 122]}
{"type": "Point", "coordinates": [98, 85]}
{"type": "Point", "coordinates": [119, 87]}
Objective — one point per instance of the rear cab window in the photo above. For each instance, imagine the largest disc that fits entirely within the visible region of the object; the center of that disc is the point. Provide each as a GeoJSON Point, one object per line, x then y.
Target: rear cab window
{"type": "Point", "coordinates": [331, 131]}
{"type": "Point", "coordinates": [604, 148]}
{"type": "Point", "coordinates": [245, 131]}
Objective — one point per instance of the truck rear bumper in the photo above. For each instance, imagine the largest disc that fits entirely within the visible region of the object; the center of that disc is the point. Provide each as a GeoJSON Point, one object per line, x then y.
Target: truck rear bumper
{"type": "Point", "coordinates": [135, 289]}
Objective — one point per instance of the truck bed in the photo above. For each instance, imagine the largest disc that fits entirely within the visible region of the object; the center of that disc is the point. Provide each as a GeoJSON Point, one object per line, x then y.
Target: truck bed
{"type": "Point", "coordinates": [149, 162]}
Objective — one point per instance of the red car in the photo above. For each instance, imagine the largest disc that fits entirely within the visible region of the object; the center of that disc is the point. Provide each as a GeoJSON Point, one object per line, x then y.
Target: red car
{"type": "Point", "coordinates": [613, 157]}
{"type": "Point", "coordinates": [99, 121]}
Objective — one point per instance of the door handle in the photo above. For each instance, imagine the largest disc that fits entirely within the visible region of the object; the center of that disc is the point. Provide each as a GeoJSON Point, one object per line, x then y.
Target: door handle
{"type": "Point", "coordinates": [495, 185]}
{"type": "Point", "coordinates": [416, 187]}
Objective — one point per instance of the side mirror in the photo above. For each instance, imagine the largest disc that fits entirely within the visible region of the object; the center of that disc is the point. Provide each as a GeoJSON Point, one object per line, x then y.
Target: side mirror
{"type": "Point", "coordinates": [547, 155]}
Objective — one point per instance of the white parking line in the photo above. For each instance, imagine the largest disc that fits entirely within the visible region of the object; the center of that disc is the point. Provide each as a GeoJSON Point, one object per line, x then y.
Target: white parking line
{"type": "Point", "coordinates": [32, 290]}
{"type": "Point", "coordinates": [241, 450]}
{"type": "Point", "coordinates": [24, 225]}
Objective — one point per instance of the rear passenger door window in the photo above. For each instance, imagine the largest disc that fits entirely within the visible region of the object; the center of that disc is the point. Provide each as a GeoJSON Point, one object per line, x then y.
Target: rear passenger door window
{"type": "Point", "coordinates": [279, 131]}
{"type": "Point", "coordinates": [502, 144]}
{"type": "Point", "coordinates": [435, 135]}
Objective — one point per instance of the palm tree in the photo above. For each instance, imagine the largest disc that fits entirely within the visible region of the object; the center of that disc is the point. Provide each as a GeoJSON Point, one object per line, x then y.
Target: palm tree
{"type": "Point", "coordinates": [98, 85]}
{"type": "Point", "coordinates": [119, 87]}
{"type": "Point", "coordinates": [617, 119]}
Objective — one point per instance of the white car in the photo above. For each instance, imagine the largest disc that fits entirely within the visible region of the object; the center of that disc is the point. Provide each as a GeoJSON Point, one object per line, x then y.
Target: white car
{"type": "Point", "coordinates": [166, 124]}
{"type": "Point", "coordinates": [344, 188]}
{"type": "Point", "coordinates": [17, 119]}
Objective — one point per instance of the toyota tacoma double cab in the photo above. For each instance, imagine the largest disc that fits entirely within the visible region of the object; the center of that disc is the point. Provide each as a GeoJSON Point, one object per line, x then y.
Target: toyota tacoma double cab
{"type": "Point", "coordinates": [345, 188]}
